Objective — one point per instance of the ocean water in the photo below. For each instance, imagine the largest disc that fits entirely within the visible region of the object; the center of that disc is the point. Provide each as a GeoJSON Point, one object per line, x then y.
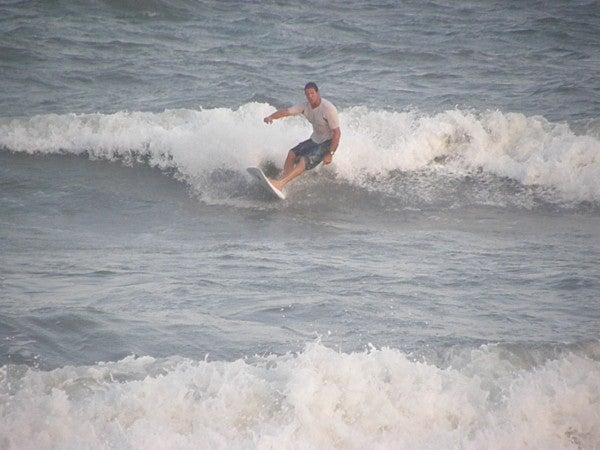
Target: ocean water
{"type": "Point", "coordinates": [437, 286]}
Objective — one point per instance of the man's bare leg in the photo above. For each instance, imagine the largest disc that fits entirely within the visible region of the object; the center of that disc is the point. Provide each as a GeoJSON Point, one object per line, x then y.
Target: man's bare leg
{"type": "Point", "coordinates": [296, 171]}
{"type": "Point", "coordinates": [290, 161]}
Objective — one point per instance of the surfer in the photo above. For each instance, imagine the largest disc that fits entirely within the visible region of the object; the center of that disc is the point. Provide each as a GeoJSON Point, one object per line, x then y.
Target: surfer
{"type": "Point", "coordinates": [323, 142]}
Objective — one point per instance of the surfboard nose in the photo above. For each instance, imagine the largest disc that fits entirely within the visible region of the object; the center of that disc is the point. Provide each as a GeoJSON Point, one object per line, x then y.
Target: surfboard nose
{"type": "Point", "coordinates": [257, 173]}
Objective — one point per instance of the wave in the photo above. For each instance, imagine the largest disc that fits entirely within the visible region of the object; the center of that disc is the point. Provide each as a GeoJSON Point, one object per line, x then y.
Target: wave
{"type": "Point", "coordinates": [486, 157]}
{"type": "Point", "coordinates": [480, 397]}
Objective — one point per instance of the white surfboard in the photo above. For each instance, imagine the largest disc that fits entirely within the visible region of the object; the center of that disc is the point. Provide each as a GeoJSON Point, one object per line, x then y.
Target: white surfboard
{"type": "Point", "coordinates": [262, 178]}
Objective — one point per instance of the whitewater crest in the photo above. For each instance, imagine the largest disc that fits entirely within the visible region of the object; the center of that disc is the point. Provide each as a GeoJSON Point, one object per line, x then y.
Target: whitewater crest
{"type": "Point", "coordinates": [530, 151]}
{"type": "Point", "coordinates": [319, 398]}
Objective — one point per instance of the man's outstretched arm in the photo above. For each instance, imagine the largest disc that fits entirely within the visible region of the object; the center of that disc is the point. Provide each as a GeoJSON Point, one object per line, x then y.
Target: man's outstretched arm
{"type": "Point", "coordinates": [277, 115]}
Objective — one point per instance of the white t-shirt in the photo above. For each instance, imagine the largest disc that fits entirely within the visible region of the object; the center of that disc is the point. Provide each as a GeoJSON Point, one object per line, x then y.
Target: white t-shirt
{"type": "Point", "coordinates": [324, 119]}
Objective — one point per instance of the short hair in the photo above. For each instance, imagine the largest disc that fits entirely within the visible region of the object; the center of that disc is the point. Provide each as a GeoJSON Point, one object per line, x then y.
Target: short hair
{"type": "Point", "coordinates": [311, 85]}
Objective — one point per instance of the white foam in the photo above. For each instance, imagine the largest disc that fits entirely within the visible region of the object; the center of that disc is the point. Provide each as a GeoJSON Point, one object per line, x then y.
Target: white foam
{"type": "Point", "coordinates": [529, 150]}
{"type": "Point", "coordinates": [317, 399]}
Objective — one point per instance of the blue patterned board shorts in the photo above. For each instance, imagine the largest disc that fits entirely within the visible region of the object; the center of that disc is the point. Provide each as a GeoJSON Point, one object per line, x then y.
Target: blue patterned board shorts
{"type": "Point", "coordinates": [312, 152]}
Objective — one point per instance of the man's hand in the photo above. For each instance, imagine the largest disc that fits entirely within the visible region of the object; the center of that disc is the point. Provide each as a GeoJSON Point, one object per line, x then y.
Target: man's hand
{"type": "Point", "coordinates": [327, 159]}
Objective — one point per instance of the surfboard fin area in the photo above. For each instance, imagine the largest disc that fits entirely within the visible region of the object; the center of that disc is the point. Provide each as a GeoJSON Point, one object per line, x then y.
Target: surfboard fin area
{"type": "Point", "coordinates": [257, 173]}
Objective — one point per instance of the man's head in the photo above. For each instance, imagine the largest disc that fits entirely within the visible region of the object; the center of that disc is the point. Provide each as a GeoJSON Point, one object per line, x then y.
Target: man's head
{"type": "Point", "coordinates": [312, 94]}
{"type": "Point", "coordinates": [311, 85]}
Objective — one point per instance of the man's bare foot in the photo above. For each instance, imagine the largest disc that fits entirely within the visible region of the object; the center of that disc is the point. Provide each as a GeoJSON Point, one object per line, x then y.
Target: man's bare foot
{"type": "Point", "coordinates": [277, 184]}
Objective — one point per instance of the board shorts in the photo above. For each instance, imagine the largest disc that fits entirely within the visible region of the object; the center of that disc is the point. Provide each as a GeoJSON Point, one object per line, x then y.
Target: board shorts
{"type": "Point", "coordinates": [312, 152]}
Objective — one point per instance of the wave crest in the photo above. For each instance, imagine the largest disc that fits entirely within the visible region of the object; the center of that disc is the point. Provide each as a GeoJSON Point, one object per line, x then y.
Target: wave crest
{"type": "Point", "coordinates": [318, 398]}
{"type": "Point", "coordinates": [376, 145]}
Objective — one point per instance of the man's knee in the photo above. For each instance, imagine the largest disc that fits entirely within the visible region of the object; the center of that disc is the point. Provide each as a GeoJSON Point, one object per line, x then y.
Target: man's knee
{"type": "Point", "coordinates": [291, 157]}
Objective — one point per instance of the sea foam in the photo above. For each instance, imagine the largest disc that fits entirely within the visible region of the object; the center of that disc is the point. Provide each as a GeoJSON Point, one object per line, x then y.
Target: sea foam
{"type": "Point", "coordinates": [318, 398]}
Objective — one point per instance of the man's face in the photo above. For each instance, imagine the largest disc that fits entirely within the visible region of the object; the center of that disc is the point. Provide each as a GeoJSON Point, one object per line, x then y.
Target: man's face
{"type": "Point", "coordinates": [313, 97]}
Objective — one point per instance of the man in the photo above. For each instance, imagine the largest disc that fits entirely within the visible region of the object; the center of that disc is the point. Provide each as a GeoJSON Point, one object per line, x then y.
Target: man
{"type": "Point", "coordinates": [323, 142]}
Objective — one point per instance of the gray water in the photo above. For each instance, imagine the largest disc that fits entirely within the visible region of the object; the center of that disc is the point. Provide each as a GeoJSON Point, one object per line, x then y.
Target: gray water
{"type": "Point", "coordinates": [437, 286]}
{"type": "Point", "coordinates": [533, 57]}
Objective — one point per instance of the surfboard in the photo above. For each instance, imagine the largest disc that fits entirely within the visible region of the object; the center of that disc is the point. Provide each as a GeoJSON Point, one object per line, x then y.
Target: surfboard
{"type": "Point", "coordinates": [257, 173]}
